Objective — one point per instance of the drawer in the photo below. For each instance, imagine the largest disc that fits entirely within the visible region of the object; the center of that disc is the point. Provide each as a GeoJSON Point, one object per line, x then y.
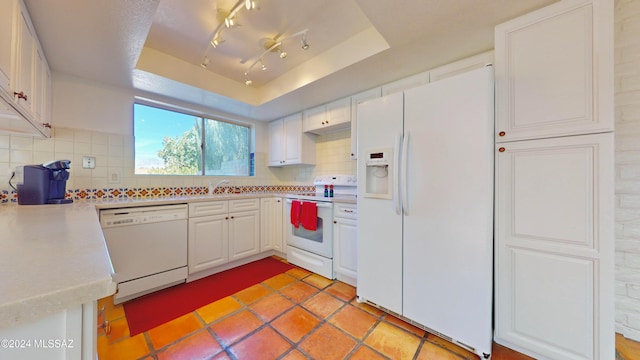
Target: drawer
{"type": "Point", "coordinates": [208, 208]}
{"type": "Point", "coordinates": [244, 205]}
{"type": "Point", "coordinates": [348, 211]}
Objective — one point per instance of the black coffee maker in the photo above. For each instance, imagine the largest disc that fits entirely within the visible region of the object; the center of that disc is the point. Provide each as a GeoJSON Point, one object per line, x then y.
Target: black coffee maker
{"type": "Point", "coordinates": [44, 184]}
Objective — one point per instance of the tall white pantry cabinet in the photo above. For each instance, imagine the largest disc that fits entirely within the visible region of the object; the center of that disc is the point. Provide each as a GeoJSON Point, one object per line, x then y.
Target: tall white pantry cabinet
{"type": "Point", "coordinates": [554, 237]}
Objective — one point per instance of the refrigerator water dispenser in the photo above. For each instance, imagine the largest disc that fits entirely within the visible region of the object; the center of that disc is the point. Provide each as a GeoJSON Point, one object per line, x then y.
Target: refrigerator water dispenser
{"type": "Point", "coordinates": [378, 182]}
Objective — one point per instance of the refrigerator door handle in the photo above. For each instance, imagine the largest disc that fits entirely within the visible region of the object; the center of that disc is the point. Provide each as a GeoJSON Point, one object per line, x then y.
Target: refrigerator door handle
{"type": "Point", "coordinates": [396, 175]}
{"type": "Point", "coordinates": [405, 182]}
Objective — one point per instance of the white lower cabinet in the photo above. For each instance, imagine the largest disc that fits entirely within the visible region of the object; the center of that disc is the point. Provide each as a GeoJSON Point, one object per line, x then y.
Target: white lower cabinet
{"type": "Point", "coordinates": [554, 247]}
{"type": "Point", "coordinates": [244, 234]}
{"type": "Point", "coordinates": [208, 242]}
{"type": "Point", "coordinates": [222, 231]}
{"type": "Point", "coordinates": [271, 224]}
{"type": "Point", "coordinates": [69, 334]}
{"type": "Point", "coordinates": [345, 243]}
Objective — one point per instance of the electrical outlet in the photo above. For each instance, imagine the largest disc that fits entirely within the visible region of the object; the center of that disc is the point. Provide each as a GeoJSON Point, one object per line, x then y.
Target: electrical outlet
{"type": "Point", "coordinates": [114, 176]}
{"type": "Point", "coordinates": [88, 162]}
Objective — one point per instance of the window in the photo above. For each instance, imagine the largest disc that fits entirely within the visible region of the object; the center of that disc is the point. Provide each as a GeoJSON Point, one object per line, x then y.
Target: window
{"type": "Point", "coordinates": [173, 143]}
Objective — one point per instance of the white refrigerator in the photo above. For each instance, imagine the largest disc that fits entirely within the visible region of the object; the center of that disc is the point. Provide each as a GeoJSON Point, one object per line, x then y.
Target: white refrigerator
{"type": "Point", "coordinates": [425, 206]}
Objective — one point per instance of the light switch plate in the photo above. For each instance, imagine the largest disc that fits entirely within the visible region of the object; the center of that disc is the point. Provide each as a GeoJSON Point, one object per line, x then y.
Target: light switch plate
{"type": "Point", "coordinates": [88, 162]}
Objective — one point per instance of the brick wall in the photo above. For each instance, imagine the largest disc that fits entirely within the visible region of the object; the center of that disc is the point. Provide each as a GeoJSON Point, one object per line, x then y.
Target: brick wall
{"type": "Point", "coordinates": [627, 99]}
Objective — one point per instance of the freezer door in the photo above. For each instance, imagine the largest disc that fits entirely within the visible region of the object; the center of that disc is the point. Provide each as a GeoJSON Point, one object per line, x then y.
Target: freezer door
{"type": "Point", "coordinates": [448, 228]}
{"type": "Point", "coordinates": [379, 223]}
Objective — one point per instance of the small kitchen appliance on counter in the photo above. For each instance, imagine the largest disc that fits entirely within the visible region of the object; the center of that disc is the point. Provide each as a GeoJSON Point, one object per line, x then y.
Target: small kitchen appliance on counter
{"type": "Point", "coordinates": [44, 184]}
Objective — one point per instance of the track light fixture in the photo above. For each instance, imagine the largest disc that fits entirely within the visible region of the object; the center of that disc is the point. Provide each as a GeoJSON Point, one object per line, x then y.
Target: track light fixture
{"type": "Point", "coordinates": [217, 41]}
{"type": "Point", "coordinates": [305, 45]}
{"type": "Point", "coordinates": [251, 4]}
{"type": "Point", "coordinates": [274, 45]}
{"type": "Point", "coordinates": [205, 62]}
{"type": "Point", "coordinates": [247, 81]}
{"type": "Point", "coordinates": [229, 19]}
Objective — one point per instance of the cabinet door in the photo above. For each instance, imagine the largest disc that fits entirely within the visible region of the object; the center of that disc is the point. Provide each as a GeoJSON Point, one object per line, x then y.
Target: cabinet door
{"type": "Point", "coordinates": [7, 21]}
{"type": "Point", "coordinates": [271, 224]}
{"type": "Point", "coordinates": [25, 61]}
{"type": "Point", "coordinates": [406, 83]}
{"type": "Point", "coordinates": [266, 221]}
{"type": "Point", "coordinates": [277, 232]}
{"type": "Point", "coordinates": [554, 72]}
{"type": "Point", "coordinates": [345, 237]}
{"type": "Point", "coordinates": [39, 64]}
{"type": "Point", "coordinates": [292, 126]}
{"type": "Point", "coordinates": [355, 101]}
{"type": "Point", "coordinates": [554, 247]}
{"type": "Point", "coordinates": [314, 119]}
{"type": "Point", "coordinates": [244, 234]}
{"type": "Point", "coordinates": [339, 114]}
{"type": "Point", "coordinates": [208, 242]}
{"type": "Point", "coordinates": [276, 142]}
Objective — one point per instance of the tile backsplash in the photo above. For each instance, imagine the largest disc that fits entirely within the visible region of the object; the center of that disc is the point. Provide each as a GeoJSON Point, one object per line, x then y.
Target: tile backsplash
{"type": "Point", "coordinates": [114, 168]}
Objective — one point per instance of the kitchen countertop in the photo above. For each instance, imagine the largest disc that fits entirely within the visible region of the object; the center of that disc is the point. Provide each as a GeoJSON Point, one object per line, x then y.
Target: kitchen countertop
{"type": "Point", "coordinates": [53, 257]}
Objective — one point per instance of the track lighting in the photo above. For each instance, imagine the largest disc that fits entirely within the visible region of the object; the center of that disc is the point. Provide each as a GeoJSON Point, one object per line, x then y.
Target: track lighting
{"type": "Point", "coordinates": [252, 5]}
{"type": "Point", "coordinates": [217, 41]}
{"type": "Point", "coordinates": [273, 45]}
{"type": "Point", "coordinates": [205, 62]}
{"type": "Point", "coordinates": [231, 20]}
{"type": "Point", "coordinates": [304, 43]}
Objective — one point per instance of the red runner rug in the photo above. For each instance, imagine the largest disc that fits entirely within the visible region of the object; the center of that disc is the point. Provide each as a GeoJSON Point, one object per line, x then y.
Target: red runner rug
{"type": "Point", "coordinates": [154, 309]}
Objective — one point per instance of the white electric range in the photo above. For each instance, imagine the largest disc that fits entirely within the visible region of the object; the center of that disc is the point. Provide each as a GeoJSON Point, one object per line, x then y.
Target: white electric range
{"type": "Point", "coordinates": [312, 249]}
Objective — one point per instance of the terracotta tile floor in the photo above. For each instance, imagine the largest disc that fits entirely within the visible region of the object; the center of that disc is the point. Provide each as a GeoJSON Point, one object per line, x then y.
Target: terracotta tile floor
{"type": "Point", "coordinates": [296, 315]}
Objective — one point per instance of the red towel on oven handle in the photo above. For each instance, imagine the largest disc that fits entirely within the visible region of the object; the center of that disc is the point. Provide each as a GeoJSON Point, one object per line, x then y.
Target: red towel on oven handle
{"type": "Point", "coordinates": [296, 206]}
{"type": "Point", "coordinates": [309, 216]}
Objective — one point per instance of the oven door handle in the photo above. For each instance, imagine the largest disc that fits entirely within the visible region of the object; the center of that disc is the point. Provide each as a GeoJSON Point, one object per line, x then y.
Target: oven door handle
{"type": "Point", "coordinates": [318, 204]}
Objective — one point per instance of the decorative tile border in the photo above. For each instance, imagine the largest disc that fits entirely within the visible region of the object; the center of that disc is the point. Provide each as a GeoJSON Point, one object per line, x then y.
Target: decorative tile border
{"type": "Point", "coordinates": [156, 192]}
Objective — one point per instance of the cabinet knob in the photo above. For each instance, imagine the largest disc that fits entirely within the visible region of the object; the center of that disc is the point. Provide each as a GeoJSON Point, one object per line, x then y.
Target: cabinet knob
{"type": "Point", "coordinates": [502, 149]}
{"type": "Point", "coordinates": [351, 154]}
{"type": "Point", "coordinates": [232, 217]}
{"type": "Point", "coordinates": [226, 218]}
{"type": "Point", "coordinates": [502, 133]}
{"type": "Point", "coordinates": [20, 95]}
{"type": "Point", "coordinates": [335, 222]}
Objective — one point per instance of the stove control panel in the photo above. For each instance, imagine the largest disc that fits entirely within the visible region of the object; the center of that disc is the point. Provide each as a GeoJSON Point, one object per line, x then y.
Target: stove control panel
{"type": "Point", "coordinates": [336, 180]}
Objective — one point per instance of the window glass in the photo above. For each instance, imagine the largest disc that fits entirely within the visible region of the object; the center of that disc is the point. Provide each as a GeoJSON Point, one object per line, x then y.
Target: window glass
{"type": "Point", "coordinates": [226, 148]}
{"type": "Point", "coordinates": [172, 143]}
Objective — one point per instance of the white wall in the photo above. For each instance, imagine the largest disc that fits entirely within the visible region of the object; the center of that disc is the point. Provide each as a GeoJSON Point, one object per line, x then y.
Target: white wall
{"type": "Point", "coordinates": [627, 73]}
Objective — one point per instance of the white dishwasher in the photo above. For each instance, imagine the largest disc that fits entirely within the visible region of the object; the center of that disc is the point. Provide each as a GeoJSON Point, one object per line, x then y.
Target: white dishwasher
{"type": "Point", "coordinates": [147, 246]}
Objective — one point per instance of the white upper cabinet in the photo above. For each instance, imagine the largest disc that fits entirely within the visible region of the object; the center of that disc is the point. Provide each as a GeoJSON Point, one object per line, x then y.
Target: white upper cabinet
{"type": "Point", "coordinates": [25, 77]}
{"type": "Point", "coordinates": [333, 116]}
{"type": "Point", "coordinates": [551, 67]}
{"type": "Point", "coordinates": [7, 16]}
{"type": "Point", "coordinates": [288, 145]}
{"type": "Point", "coordinates": [406, 83]}
{"type": "Point", "coordinates": [26, 58]}
{"type": "Point", "coordinates": [355, 100]}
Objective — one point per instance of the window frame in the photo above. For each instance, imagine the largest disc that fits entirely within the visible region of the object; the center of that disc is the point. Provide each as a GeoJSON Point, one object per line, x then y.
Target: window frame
{"type": "Point", "coordinates": [202, 116]}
